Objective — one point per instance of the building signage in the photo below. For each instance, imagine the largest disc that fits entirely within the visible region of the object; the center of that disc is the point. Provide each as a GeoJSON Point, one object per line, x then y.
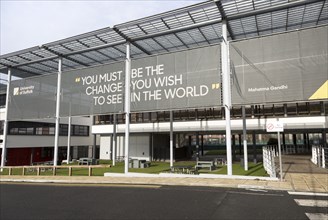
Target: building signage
{"type": "Point", "coordinates": [23, 90]}
{"type": "Point", "coordinates": [187, 79]}
{"type": "Point", "coordinates": [33, 98]}
{"type": "Point", "coordinates": [280, 68]}
{"type": "Point", "coordinates": [95, 90]}
{"type": "Point", "coordinates": [275, 126]}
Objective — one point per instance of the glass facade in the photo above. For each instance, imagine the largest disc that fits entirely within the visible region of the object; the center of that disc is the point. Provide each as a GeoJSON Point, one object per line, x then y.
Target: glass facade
{"type": "Point", "coordinates": [38, 128]}
{"type": "Point", "coordinates": [253, 111]}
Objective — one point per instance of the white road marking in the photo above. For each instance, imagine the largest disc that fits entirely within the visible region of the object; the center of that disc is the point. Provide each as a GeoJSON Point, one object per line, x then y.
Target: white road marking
{"type": "Point", "coordinates": [312, 202]}
{"type": "Point", "coordinates": [257, 190]}
{"type": "Point", "coordinates": [307, 194]}
{"type": "Point", "coordinates": [255, 194]}
{"type": "Point", "coordinates": [317, 216]}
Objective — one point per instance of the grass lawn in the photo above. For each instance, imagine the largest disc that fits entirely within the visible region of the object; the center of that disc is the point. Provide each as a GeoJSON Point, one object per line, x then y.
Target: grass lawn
{"type": "Point", "coordinates": [223, 152]}
{"type": "Point", "coordinates": [253, 170]}
{"type": "Point", "coordinates": [155, 168]}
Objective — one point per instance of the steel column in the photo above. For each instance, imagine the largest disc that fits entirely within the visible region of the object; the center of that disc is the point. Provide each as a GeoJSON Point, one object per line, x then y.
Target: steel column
{"type": "Point", "coordinates": [226, 92]}
{"type": "Point", "coordinates": [69, 139]}
{"type": "Point", "coordinates": [127, 107]}
{"type": "Point", "coordinates": [171, 139]}
{"type": "Point", "coordinates": [5, 126]}
{"type": "Point", "coordinates": [245, 139]}
{"type": "Point", "coordinates": [114, 141]}
{"type": "Point", "coordinates": [60, 60]}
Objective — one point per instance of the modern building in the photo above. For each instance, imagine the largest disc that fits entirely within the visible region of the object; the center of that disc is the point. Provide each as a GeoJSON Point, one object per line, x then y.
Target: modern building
{"type": "Point", "coordinates": [281, 44]}
{"type": "Point", "coordinates": [32, 141]}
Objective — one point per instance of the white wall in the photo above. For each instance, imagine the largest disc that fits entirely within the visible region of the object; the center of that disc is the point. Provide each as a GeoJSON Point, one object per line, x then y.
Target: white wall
{"type": "Point", "coordinates": [215, 125]}
{"type": "Point", "coordinates": [2, 114]}
{"type": "Point", "coordinates": [105, 148]}
{"type": "Point", "coordinates": [139, 147]}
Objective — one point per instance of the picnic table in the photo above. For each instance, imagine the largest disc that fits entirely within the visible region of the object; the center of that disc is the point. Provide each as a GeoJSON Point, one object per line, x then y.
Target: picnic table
{"type": "Point", "coordinates": [136, 163]}
{"type": "Point", "coordinates": [87, 161]}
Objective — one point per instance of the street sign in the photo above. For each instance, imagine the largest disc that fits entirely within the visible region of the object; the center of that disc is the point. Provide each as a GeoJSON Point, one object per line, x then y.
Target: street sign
{"type": "Point", "coordinates": [275, 126]}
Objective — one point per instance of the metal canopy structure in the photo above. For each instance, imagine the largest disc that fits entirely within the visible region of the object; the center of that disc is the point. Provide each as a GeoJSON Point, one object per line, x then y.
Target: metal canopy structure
{"type": "Point", "coordinates": [188, 27]}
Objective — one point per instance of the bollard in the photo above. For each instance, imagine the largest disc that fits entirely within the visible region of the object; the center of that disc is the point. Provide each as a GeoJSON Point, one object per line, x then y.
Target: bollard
{"type": "Point", "coordinates": [69, 171]}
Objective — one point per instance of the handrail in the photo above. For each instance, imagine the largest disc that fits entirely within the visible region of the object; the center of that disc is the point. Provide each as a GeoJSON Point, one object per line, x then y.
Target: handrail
{"type": "Point", "coordinates": [51, 167]}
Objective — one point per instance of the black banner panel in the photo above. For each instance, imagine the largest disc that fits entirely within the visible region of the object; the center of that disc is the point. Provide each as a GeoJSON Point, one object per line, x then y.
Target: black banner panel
{"type": "Point", "coordinates": [187, 79]}
{"type": "Point", "coordinates": [280, 68]}
{"type": "Point", "coordinates": [92, 91]}
{"type": "Point", "coordinates": [33, 98]}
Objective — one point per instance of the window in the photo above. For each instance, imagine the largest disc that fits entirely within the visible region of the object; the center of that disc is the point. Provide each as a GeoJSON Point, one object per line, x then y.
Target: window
{"type": "Point", "coordinates": [2, 100]}
{"type": "Point", "coordinates": [80, 130]}
{"type": "Point", "coordinates": [2, 123]}
{"type": "Point", "coordinates": [37, 128]}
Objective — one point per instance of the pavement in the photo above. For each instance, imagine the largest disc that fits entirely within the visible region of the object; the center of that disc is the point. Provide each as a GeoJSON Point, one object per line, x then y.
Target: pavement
{"type": "Point", "coordinates": [296, 178]}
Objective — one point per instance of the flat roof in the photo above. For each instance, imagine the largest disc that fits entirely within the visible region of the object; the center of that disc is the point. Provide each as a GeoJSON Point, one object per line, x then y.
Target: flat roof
{"type": "Point", "coordinates": [192, 26]}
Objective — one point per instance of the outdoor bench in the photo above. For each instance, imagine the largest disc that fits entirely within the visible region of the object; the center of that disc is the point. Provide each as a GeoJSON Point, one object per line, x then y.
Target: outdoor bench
{"type": "Point", "coordinates": [204, 164]}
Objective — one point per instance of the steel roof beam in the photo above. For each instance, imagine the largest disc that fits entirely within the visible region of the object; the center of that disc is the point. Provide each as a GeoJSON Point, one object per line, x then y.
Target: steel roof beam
{"type": "Point", "coordinates": [56, 68]}
{"type": "Point", "coordinates": [170, 31]}
{"type": "Point", "coordinates": [64, 56]}
{"type": "Point", "coordinates": [19, 52]}
{"type": "Point", "coordinates": [49, 66]}
{"type": "Point", "coordinates": [180, 29]}
{"type": "Point", "coordinates": [229, 18]}
{"type": "Point", "coordinates": [271, 9]}
{"type": "Point", "coordinates": [224, 17]}
{"type": "Point", "coordinates": [13, 61]}
{"type": "Point", "coordinates": [268, 29]}
{"type": "Point", "coordinates": [174, 33]}
{"type": "Point", "coordinates": [323, 4]}
{"type": "Point", "coordinates": [105, 55]}
{"type": "Point", "coordinates": [81, 36]}
{"type": "Point", "coordinates": [166, 14]}
{"type": "Point", "coordinates": [17, 68]}
{"type": "Point", "coordinates": [73, 53]}
{"type": "Point", "coordinates": [83, 55]}
{"type": "Point", "coordinates": [257, 26]}
{"type": "Point", "coordinates": [118, 49]}
{"type": "Point", "coordinates": [132, 42]}
{"type": "Point", "coordinates": [156, 41]}
{"type": "Point", "coordinates": [200, 31]}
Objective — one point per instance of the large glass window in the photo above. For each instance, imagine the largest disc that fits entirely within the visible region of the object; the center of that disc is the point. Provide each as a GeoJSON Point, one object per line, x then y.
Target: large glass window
{"type": "Point", "coordinates": [36, 128]}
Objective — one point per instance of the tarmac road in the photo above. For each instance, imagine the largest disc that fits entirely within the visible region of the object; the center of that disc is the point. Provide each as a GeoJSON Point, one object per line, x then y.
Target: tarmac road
{"type": "Point", "coordinates": [64, 201]}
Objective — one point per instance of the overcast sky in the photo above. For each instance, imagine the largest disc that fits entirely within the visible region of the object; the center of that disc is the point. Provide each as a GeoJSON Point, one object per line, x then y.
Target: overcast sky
{"type": "Point", "coordinates": [25, 24]}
